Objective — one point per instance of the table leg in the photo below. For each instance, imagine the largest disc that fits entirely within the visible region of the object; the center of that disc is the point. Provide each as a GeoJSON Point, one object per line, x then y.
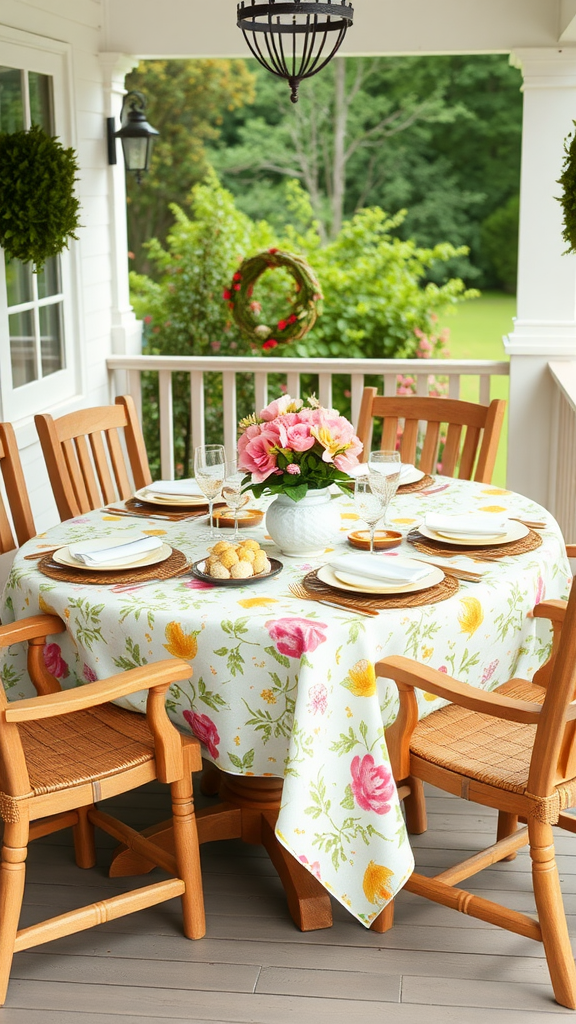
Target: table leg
{"type": "Point", "coordinates": [248, 810]}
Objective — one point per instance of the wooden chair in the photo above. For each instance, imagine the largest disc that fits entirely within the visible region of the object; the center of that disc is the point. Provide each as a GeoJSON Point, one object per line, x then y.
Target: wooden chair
{"type": "Point", "coordinates": [513, 749]}
{"type": "Point", "coordinates": [475, 453]}
{"type": "Point", "coordinates": [65, 749]}
{"type": "Point", "coordinates": [16, 492]}
{"type": "Point", "coordinates": [83, 453]}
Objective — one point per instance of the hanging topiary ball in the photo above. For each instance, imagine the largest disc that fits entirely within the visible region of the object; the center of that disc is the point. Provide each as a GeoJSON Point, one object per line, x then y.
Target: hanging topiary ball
{"type": "Point", "coordinates": [38, 208]}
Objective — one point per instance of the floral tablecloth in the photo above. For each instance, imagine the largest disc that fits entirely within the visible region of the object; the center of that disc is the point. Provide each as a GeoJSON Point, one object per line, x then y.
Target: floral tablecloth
{"type": "Point", "coordinates": [285, 687]}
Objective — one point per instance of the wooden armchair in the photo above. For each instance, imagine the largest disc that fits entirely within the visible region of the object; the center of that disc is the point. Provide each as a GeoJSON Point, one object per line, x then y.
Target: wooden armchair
{"type": "Point", "coordinates": [472, 436]}
{"type": "Point", "coordinates": [63, 750]}
{"type": "Point", "coordinates": [513, 749]}
{"type": "Point", "coordinates": [16, 492]}
{"type": "Point", "coordinates": [84, 456]}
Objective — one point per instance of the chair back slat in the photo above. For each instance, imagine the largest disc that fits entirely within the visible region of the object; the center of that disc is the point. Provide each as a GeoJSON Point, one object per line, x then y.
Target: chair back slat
{"type": "Point", "coordinates": [99, 456]}
{"type": "Point", "coordinates": [469, 454]}
{"type": "Point", "coordinates": [85, 458]}
{"type": "Point", "coordinates": [16, 492]}
{"type": "Point", "coordinates": [118, 465]}
{"type": "Point", "coordinates": [429, 457]}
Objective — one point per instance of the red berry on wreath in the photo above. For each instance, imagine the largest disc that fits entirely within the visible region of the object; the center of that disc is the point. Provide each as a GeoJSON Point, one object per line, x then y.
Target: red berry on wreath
{"type": "Point", "coordinates": [271, 343]}
{"type": "Point", "coordinates": [282, 325]}
{"type": "Point", "coordinates": [237, 277]}
{"type": "Point", "coordinates": [226, 295]}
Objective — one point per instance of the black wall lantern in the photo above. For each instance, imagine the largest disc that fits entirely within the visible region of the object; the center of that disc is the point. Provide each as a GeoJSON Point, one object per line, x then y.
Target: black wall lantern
{"type": "Point", "coordinates": [289, 37]}
{"type": "Point", "coordinates": [136, 134]}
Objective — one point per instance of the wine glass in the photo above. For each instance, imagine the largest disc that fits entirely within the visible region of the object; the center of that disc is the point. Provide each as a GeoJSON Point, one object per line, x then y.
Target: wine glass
{"type": "Point", "coordinates": [369, 504]}
{"type": "Point", "coordinates": [232, 492]}
{"type": "Point", "coordinates": [210, 473]}
{"type": "Point", "coordinates": [384, 471]}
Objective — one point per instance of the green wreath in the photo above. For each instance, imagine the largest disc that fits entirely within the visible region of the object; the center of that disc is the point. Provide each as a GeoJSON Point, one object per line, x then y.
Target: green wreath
{"type": "Point", "coordinates": [568, 197]}
{"type": "Point", "coordinates": [302, 314]}
{"type": "Point", "coordinates": [38, 208]}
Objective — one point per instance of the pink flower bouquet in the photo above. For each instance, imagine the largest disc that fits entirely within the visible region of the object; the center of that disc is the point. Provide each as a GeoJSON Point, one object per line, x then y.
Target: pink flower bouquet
{"type": "Point", "coordinates": [294, 446]}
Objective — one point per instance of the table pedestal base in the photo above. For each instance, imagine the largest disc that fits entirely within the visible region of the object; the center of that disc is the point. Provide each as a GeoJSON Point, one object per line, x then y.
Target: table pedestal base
{"type": "Point", "coordinates": [248, 811]}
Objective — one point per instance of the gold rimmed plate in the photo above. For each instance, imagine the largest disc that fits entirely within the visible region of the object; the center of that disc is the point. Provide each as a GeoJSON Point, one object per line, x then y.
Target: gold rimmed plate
{"type": "Point", "coordinates": [515, 531]}
{"type": "Point", "coordinates": [200, 574]}
{"type": "Point", "coordinates": [356, 585]}
{"type": "Point", "coordinates": [63, 557]}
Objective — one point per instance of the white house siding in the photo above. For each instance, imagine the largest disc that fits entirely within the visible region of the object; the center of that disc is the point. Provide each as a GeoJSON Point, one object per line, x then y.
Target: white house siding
{"type": "Point", "coordinates": [77, 23]}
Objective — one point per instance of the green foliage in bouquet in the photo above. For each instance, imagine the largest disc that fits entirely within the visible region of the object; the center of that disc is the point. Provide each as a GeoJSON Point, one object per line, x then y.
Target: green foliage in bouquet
{"type": "Point", "coordinates": [38, 208]}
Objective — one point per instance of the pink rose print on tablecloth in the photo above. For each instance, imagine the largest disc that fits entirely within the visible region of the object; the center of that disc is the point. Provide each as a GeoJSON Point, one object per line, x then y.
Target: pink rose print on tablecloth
{"type": "Point", "coordinates": [313, 866]}
{"type": "Point", "coordinates": [204, 730]}
{"type": "Point", "coordinates": [318, 702]}
{"type": "Point", "coordinates": [372, 785]}
{"type": "Point", "coordinates": [89, 674]}
{"type": "Point", "coordinates": [198, 585]}
{"type": "Point", "coordinates": [55, 662]}
{"type": "Point", "coordinates": [295, 637]}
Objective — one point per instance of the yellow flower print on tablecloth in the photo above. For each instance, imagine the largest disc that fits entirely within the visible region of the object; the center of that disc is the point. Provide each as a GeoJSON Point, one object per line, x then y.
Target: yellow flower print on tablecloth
{"type": "Point", "coordinates": [496, 490]}
{"type": "Point", "coordinates": [472, 615]}
{"type": "Point", "coordinates": [492, 508]}
{"type": "Point", "coordinates": [180, 644]}
{"type": "Point", "coordinates": [45, 607]}
{"type": "Point", "coordinates": [268, 696]}
{"type": "Point", "coordinates": [257, 602]}
{"type": "Point", "coordinates": [375, 883]}
{"type": "Point", "coordinates": [361, 679]}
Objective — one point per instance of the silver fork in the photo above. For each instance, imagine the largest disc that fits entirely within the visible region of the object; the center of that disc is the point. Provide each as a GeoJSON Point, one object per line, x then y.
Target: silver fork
{"type": "Point", "coordinates": [299, 591]}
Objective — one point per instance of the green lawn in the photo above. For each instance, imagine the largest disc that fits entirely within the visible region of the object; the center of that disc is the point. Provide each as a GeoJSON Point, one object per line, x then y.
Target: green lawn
{"type": "Point", "coordinates": [476, 330]}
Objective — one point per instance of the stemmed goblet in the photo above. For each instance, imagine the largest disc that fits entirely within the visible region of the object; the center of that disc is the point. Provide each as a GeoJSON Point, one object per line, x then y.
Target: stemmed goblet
{"type": "Point", "coordinates": [210, 473]}
{"type": "Point", "coordinates": [369, 504]}
{"type": "Point", "coordinates": [232, 492]}
{"type": "Point", "coordinates": [384, 473]}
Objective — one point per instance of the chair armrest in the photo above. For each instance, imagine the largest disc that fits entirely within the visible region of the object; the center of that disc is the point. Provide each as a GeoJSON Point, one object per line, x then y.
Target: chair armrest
{"type": "Point", "coordinates": [408, 674]}
{"type": "Point", "coordinates": [553, 610]}
{"type": "Point", "coordinates": [571, 550]}
{"type": "Point", "coordinates": [160, 673]}
{"type": "Point", "coordinates": [30, 629]}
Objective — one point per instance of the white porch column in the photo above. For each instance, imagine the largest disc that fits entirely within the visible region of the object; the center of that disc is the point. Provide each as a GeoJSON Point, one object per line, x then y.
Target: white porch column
{"type": "Point", "coordinates": [545, 327]}
{"type": "Point", "coordinates": [126, 329]}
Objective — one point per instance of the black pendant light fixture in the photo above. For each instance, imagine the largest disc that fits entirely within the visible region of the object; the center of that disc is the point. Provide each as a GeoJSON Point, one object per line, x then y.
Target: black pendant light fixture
{"type": "Point", "coordinates": [293, 39]}
{"type": "Point", "coordinates": [136, 135]}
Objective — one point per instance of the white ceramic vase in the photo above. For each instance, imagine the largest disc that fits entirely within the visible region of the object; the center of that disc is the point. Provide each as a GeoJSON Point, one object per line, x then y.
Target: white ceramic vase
{"type": "Point", "coordinates": [306, 527]}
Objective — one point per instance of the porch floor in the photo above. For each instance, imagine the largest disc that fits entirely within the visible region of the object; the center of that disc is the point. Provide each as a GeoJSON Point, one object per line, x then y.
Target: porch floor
{"type": "Point", "coordinates": [254, 966]}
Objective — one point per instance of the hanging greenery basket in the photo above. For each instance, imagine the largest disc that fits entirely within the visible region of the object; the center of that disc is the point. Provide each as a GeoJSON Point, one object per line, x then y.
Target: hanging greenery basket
{"type": "Point", "coordinates": [38, 208]}
{"type": "Point", "coordinates": [568, 197]}
{"type": "Point", "coordinates": [298, 319]}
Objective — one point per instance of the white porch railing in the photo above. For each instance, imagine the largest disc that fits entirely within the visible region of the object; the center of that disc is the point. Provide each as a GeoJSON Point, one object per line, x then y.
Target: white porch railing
{"type": "Point", "coordinates": [562, 482]}
{"type": "Point", "coordinates": [125, 375]}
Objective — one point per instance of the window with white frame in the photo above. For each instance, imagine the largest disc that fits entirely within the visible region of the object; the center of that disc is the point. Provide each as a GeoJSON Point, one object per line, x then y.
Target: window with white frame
{"type": "Point", "coordinates": [35, 352]}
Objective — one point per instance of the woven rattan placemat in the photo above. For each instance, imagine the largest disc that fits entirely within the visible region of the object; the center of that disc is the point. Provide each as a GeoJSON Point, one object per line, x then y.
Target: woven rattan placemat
{"type": "Point", "coordinates": [530, 542]}
{"type": "Point", "coordinates": [149, 510]}
{"type": "Point", "coordinates": [376, 602]}
{"type": "Point", "coordinates": [175, 565]}
{"type": "Point", "coordinates": [418, 486]}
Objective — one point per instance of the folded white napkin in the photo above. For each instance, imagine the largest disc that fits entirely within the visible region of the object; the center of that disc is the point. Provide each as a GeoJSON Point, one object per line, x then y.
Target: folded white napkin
{"type": "Point", "coordinates": [379, 568]}
{"type": "Point", "coordinates": [133, 550]}
{"type": "Point", "coordinates": [175, 488]}
{"type": "Point", "coordinates": [476, 525]}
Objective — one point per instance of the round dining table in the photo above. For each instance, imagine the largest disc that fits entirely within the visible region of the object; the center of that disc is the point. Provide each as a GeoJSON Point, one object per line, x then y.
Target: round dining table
{"type": "Point", "coordinates": [282, 691]}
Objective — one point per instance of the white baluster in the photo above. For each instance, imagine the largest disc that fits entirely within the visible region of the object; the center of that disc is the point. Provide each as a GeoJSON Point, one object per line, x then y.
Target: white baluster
{"type": "Point", "coordinates": [260, 391]}
{"type": "Point", "coordinates": [197, 408]}
{"type": "Point", "coordinates": [293, 384]}
{"type": "Point", "coordinates": [166, 425]}
{"type": "Point", "coordinates": [325, 390]}
{"type": "Point", "coordinates": [357, 389]}
{"type": "Point", "coordinates": [230, 417]}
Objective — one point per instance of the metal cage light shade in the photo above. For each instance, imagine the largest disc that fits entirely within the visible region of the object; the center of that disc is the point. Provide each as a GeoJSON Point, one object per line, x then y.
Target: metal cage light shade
{"type": "Point", "coordinates": [293, 39]}
{"type": "Point", "coordinates": [136, 135]}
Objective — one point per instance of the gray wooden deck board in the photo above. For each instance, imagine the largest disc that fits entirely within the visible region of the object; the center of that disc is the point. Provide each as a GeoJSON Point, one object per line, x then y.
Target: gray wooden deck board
{"type": "Point", "coordinates": [254, 966]}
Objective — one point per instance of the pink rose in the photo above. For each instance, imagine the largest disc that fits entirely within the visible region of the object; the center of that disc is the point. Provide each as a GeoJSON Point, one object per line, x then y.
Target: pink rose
{"type": "Point", "coordinates": [299, 438]}
{"type": "Point", "coordinates": [293, 469]}
{"type": "Point", "coordinates": [349, 459]}
{"type": "Point", "coordinates": [249, 434]}
{"type": "Point", "coordinates": [313, 866]}
{"type": "Point", "coordinates": [372, 786]}
{"type": "Point", "coordinates": [89, 674]}
{"type": "Point", "coordinates": [204, 730]}
{"type": "Point", "coordinates": [259, 455]}
{"type": "Point", "coordinates": [310, 416]}
{"type": "Point", "coordinates": [279, 407]}
{"type": "Point", "coordinates": [55, 662]}
{"type": "Point", "coordinates": [293, 637]}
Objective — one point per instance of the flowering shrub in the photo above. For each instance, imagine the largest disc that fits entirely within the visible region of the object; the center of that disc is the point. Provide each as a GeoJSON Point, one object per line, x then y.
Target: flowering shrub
{"type": "Point", "coordinates": [291, 448]}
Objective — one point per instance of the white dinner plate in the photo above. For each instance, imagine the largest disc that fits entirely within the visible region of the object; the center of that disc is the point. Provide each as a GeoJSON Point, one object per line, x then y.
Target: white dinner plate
{"type": "Point", "coordinates": [411, 478]}
{"type": "Point", "coordinates": [515, 531]}
{"type": "Point", "coordinates": [63, 557]}
{"type": "Point", "coordinates": [169, 500]}
{"type": "Point", "coordinates": [327, 575]}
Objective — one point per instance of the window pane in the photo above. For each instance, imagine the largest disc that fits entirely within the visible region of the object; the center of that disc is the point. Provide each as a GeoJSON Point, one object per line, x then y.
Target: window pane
{"type": "Point", "coordinates": [22, 348]}
{"type": "Point", "coordinates": [49, 278]}
{"type": "Point", "coordinates": [11, 102]}
{"type": "Point", "coordinates": [40, 87]}
{"type": "Point", "coordinates": [51, 335]}
{"type": "Point", "coordinates": [18, 282]}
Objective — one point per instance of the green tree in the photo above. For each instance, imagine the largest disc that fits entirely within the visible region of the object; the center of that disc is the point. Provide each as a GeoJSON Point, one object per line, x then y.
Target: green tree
{"type": "Point", "coordinates": [187, 101]}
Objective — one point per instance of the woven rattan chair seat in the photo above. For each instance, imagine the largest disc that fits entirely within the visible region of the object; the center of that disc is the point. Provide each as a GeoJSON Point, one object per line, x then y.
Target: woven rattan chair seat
{"type": "Point", "coordinates": [84, 746]}
{"type": "Point", "coordinates": [489, 750]}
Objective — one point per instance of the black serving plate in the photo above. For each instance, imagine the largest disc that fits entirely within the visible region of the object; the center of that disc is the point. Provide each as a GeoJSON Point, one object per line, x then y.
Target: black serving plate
{"type": "Point", "coordinates": [277, 567]}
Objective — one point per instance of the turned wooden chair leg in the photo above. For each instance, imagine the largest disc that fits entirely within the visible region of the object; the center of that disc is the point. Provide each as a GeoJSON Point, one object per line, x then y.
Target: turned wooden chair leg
{"type": "Point", "coordinates": [187, 854]}
{"type": "Point", "coordinates": [507, 825]}
{"type": "Point", "coordinates": [84, 840]}
{"type": "Point", "coordinates": [551, 915]}
{"type": "Point", "coordinates": [385, 920]}
{"type": "Point", "coordinates": [415, 807]}
{"type": "Point", "coordinates": [12, 877]}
